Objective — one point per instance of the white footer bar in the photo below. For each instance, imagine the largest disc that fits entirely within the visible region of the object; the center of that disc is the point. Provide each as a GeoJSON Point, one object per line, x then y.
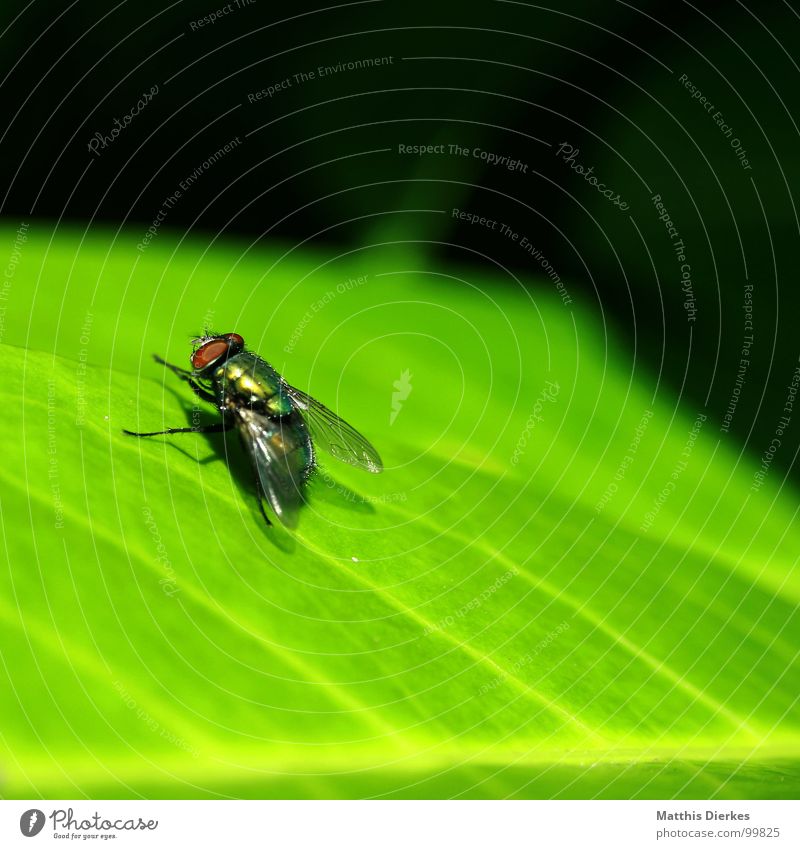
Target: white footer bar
{"type": "Point", "coordinates": [401, 824]}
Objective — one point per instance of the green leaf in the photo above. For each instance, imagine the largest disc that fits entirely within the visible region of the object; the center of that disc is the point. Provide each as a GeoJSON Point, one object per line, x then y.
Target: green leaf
{"type": "Point", "coordinates": [495, 615]}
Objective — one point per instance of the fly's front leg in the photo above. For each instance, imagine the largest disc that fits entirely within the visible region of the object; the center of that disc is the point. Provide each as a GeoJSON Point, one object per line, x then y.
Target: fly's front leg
{"type": "Point", "coordinates": [217, 427]}
{"type": "Point", "coordinates": [183, 373]}
{"type": "Point", "coordinates": [188, 376]}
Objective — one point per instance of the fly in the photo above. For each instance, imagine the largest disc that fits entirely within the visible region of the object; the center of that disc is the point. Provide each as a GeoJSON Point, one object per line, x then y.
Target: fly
{"type": "Point", "coordinates": [279, 425]}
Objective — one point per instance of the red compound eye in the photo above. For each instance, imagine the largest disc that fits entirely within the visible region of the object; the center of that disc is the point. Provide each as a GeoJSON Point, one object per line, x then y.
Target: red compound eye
{"type": "Point", "coordinates": [208, 353]}
{"type": "Point", "coordinates": [235, 341]}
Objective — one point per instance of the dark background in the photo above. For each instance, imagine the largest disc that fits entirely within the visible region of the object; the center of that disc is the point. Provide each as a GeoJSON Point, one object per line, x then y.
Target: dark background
{"type": "Point", "coordinates": [319, 161]}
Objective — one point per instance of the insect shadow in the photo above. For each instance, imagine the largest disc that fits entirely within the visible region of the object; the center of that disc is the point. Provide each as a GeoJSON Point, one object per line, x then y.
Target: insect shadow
{"type": "Point", "coordinates": [323, 487]}
{"type": "Point", "coordinates": [226, 445]}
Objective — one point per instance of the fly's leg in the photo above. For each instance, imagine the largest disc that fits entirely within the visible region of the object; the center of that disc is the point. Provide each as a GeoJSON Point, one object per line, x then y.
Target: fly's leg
{"type": "Point", "coordinates": [181, 372]}
{"type": "Point", "coordinates": [188, 376]}
{"type": "Point", "coordinates": [260, 495]}
{"type": "Point", "coordinates": [203, 394]}
{"type": "Point", "coordinates": [217, 427]}
{"type": "Point", "coordinates": [261, 508]}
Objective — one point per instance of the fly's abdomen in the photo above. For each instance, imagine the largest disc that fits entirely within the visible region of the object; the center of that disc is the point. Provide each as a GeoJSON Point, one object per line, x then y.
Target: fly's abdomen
{"type": "Point", "coordinates": [291, 441]}
{"type": "Point", "coordinates": [246, 380]}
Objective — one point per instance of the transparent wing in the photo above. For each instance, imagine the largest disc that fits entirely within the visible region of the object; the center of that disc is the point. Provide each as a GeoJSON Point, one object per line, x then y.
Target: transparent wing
{"type": "Point", "coordinates": [333, 434]}
{"type": "Point", "coordinates": [280, 461]}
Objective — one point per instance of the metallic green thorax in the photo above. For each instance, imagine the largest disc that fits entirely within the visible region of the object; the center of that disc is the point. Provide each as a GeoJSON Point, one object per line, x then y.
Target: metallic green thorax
{"type": "Point", "coordinates": [247, 380]}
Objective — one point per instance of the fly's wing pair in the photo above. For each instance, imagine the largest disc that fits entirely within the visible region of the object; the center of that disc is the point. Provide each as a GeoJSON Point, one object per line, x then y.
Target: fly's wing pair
{"type": "Point", "coordinates": [333, 434]}
{"type": "Point", "coordinates": [283, 457]}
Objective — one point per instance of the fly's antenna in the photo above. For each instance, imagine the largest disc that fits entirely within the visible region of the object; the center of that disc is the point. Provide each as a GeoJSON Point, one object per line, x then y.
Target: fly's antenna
{"type": "Point", "coordinates": [207, 334]}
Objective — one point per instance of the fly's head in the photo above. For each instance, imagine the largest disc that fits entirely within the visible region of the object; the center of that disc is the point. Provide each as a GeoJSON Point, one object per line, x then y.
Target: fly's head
{"type": "Point", "coordinates": [212, 350]}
